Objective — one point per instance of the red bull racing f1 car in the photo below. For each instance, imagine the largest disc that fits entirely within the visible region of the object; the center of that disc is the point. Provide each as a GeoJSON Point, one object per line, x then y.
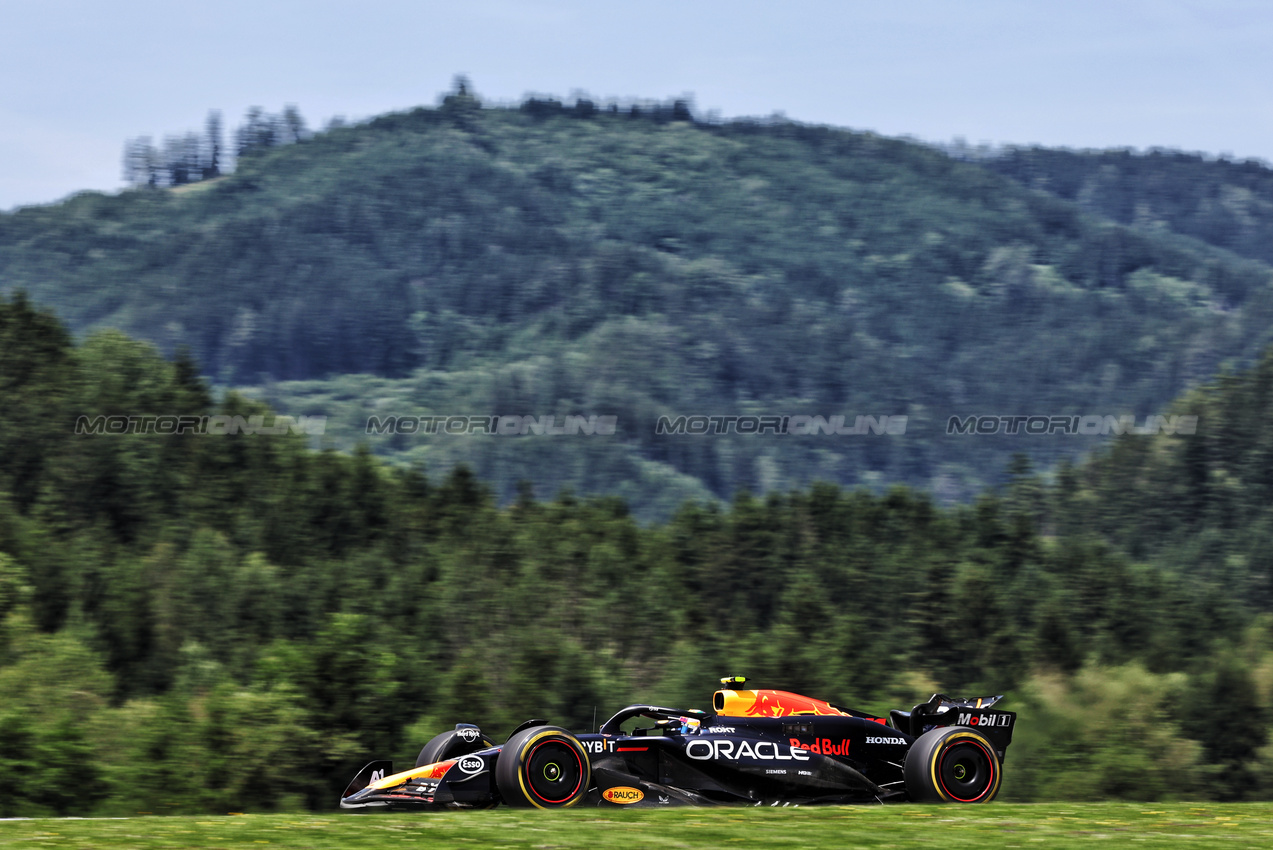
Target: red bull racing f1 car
{"type": "Point", "coordinates": [757, 747]}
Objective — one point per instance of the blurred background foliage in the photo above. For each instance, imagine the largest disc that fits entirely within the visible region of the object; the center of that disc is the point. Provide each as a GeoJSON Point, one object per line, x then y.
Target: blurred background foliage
{"type": "Point", "coordinates": [239, 622]}
{"type": "Point", "coordinates": [591, 258]}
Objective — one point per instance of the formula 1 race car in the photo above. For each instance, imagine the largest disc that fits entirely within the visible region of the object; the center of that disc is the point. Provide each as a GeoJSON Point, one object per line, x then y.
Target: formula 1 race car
{"type": "Point", "coordinates": [757, 747]}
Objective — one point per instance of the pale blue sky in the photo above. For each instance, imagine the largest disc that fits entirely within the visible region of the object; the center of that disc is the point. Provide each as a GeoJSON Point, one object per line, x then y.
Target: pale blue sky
{"type": "Point", "coordinates": [78, 77]}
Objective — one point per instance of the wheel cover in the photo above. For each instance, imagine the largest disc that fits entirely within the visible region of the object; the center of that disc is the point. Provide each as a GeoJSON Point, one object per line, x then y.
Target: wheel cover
{"type": "Point", "coordinates": [554, 772]}
{"type": "Point", "coordinates": [966, 771]}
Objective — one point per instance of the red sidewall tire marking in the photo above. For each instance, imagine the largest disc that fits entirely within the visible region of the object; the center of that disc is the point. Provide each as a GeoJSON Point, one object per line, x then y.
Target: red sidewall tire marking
{"type": "Point", "coordinates": [526, 768]}
{"type": "Point", "coordinates": [990, 763]}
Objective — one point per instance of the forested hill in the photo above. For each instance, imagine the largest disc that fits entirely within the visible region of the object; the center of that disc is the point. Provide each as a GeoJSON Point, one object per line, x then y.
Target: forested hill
{"type": "Point", "coordinates": [1220, 201]}
{"type": "Point", "coordinates": [551, 261]}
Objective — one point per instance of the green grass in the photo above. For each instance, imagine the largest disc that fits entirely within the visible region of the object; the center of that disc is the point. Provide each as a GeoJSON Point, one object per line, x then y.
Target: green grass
{"type": "Point", "coordinates": [997, 826]}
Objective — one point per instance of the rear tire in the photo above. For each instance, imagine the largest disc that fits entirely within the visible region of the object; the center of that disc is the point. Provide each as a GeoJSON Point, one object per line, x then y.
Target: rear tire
{"type": "Point", "coordinates": [450, 745]}
{"type": "Point", "coordinates": [953, 764]}
{"type": "Point", "coordinates": [544, 767]}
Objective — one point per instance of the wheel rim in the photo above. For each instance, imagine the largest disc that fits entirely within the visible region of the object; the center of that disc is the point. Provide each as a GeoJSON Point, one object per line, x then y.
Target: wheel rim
{"type": "Point", "coordinates": [554, 772]}
{"type": "Point", "coordinates": [966, 771]}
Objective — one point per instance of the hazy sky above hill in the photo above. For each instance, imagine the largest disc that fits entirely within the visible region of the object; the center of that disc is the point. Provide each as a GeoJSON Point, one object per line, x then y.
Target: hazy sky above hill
{"type": "Point", "coordinates": [78, 77]}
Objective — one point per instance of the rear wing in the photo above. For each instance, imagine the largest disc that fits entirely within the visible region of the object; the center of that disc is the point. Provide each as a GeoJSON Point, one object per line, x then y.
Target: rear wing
{"type": "Point", "coordinates": [974, 712]}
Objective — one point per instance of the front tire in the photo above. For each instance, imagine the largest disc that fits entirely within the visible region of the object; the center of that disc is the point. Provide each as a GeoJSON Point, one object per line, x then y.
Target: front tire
{"type": "Point", "coordinates": [953, 764]}
{"type": "Point", "coordinates": [544, 767]}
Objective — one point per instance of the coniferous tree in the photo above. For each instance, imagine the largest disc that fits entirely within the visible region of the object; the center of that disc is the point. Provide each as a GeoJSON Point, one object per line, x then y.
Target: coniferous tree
{"type": "Point", "coordinates": [141, 162]}
{"type": "Point", "coordinates": [213, 145]}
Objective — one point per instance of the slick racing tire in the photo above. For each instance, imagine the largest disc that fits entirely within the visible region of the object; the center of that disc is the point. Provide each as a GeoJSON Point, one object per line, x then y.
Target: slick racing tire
{"type": "Point", "coordinates": [450, 745]}
{"type": "Point", "coordinates": [545, 767]}
{"type": "Point", "coordinates": [953, 764]}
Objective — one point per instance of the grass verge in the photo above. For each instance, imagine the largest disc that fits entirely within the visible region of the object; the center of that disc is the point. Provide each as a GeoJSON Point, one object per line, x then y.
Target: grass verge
{"type": "Point", "coordinates": [998, 825]}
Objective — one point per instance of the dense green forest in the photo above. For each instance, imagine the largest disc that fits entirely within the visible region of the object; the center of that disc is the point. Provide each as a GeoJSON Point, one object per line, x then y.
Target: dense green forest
{"type": "Point", "coordinates": [229, 622]}
{"type": "Point", "coordinates": [554, 260]}
{"type": "Point", "coordinates": [1219, 201]}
